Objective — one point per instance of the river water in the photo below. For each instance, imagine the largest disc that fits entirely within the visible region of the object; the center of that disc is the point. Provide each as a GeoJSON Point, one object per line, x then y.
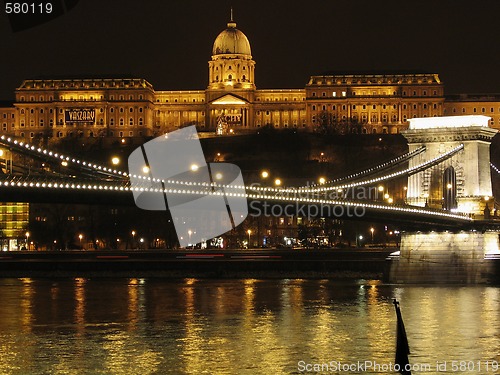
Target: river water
{"type": "Point", "coordinates": [192, 326]}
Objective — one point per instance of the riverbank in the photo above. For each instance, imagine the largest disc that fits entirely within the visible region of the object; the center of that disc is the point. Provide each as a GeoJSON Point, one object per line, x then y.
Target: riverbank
{"type": "Point", "coordinates": [309, 264]}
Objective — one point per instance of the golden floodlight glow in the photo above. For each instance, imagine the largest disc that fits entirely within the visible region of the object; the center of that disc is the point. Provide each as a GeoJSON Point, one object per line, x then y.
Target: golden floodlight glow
{"type": "Point", "coordinates": [145, 169]}
{"type": "Point", "coordinates": [386, 196]}
{"type": "Point", "coordinates": [115, 160]}
{"type": "Point", "coordinates": [390, 200]}
{"type": "Point", "coordinates": [380, 188]}
{"type": "Point", "coordinates": [265, 174]}
{"type": "Point", "coordinates": [448, 122]}
{"type": "Point", "coordinates": [1, 153]}
{"type": "Point", "coordinates": [64, 163]}
{"type": "Point", "coordinates": [229, 100]}
{"type": "Point", "coordinates": [218, 176]}
{"type": "Point", "coordinates": [322, 180]}
{"type": "Point", "coordinates": [277, 182]}
{"type": "Point", "coordinates": [194, 167]}
{"type": "Point", "coordinates": [449, 186]}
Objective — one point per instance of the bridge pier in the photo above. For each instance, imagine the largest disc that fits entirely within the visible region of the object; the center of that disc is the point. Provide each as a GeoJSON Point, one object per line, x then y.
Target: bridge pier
{"type": "Point", "coordinates": [465, 257]}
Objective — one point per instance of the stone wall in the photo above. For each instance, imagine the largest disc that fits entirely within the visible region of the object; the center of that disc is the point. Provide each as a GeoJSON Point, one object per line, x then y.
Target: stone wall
{"type": "Point", "coordinates": [468, 257]}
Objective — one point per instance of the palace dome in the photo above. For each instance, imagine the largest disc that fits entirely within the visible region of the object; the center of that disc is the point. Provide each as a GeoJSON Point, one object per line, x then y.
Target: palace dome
{"type": "Point", "coordinates": [231, 41]}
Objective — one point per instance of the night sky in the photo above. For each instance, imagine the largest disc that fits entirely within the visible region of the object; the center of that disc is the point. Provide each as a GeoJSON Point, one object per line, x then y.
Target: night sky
{"type": "Point", "coordinates": [169, 42]}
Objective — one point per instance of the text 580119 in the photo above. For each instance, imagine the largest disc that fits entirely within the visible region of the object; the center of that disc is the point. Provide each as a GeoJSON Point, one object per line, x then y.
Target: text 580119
{"type": "Point", "coordinates": [28, 8]}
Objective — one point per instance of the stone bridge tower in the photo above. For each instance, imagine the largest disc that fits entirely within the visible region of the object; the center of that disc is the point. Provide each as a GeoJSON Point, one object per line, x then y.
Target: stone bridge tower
{"type": "Point", "coordinates": [468, 254]}
{"type": "Point", "coordinates": [462, 182]}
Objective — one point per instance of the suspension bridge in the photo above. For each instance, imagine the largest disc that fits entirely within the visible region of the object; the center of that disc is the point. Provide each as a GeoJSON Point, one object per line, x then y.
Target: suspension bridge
{"type": "Point", "coordinates": [84, 181]}
{"type": "Point", "coordinates": [456, 240]}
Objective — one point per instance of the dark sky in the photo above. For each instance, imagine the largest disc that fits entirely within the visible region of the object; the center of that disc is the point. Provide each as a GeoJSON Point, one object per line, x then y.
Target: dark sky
{"type": "Point", "coordinates": [169, 42]}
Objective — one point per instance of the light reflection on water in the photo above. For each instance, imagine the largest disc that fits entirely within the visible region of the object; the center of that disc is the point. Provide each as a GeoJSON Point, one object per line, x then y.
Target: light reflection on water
{"type": "Point", "coordinates": [190, 326]}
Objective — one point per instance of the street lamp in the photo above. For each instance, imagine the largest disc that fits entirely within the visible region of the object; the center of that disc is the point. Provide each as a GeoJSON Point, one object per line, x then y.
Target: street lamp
{"type": "Point", "coordinates": [190, 232]}
{"type": "Point", "coordinates": [80, 236]}
{"type": "Point", "coordinates": [372, 230]}
{"type": "Point", "coordinates": [359, 239]}
{"type": "Point", "coordinates": [249, 233]}
{"type": "Point", "coordinates": [27, 240]}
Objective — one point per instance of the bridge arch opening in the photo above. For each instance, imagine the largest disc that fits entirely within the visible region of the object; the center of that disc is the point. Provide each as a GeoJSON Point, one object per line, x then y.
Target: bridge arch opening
{"type": "Point", "coordinates": [449, 189]}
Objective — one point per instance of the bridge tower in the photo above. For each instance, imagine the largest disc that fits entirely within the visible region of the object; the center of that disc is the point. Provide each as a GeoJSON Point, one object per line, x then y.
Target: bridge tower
{"type": "Point", "coordinates": [461, 183]}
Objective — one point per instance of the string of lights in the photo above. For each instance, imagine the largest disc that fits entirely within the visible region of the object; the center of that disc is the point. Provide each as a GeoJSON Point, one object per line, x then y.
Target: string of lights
{"type": "Point", "coordinates": [332, 202]}
{"type": "Point", "coordinates": [305, 189]}
{"type": "Point", "coordinates": [389, 164]}
{"type": "Point", "coordinates": [65, 159]}
{"type": "Point", "coordinates": [495, 168]}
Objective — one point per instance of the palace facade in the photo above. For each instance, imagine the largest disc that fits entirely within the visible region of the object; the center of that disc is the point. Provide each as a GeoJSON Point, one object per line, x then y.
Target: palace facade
{"type": "Point", "coordinates": [128, 107]}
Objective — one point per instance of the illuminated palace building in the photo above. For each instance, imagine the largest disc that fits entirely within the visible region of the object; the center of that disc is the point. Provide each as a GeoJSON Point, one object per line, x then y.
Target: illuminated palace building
{"type": "Point", "coordinates": [131, 107]}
